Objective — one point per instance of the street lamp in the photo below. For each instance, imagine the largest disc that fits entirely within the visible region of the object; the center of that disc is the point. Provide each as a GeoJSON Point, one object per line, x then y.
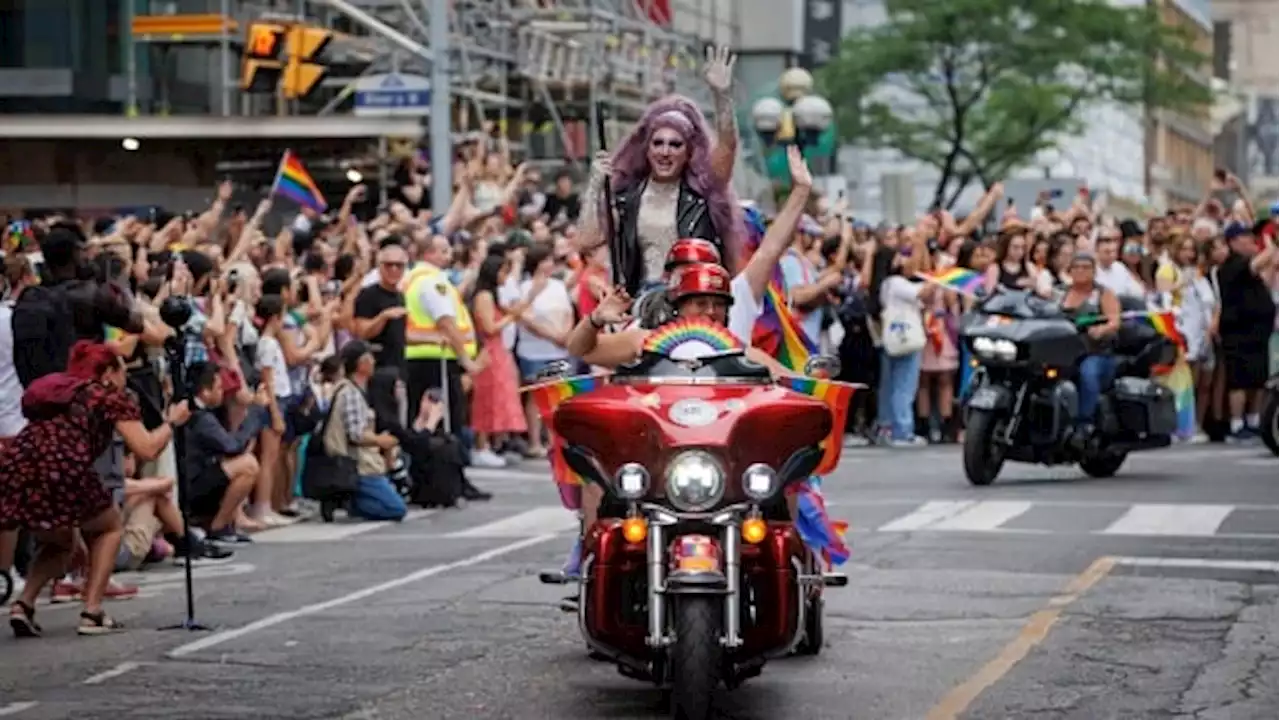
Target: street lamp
{"type": "Point", "coordinates": [798, 117]}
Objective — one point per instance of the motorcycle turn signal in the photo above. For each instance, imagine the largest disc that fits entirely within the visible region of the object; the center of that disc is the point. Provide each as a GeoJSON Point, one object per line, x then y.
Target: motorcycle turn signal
{"type": "Point", "coordinates": [635, 529]}
{"type": "Point", "coordinates": [754, 530]}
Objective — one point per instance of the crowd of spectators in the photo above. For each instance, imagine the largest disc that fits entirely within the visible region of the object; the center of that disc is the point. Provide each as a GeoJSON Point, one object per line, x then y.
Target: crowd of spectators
{"type": "Point", "coordinates": [296, 348]}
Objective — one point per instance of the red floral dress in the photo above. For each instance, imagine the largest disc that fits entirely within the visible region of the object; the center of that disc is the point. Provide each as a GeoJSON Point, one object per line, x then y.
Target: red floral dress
{"type": "Point", "coordinates": [49, 481]}
{"type": "Point", "coordinates": [495, 396]}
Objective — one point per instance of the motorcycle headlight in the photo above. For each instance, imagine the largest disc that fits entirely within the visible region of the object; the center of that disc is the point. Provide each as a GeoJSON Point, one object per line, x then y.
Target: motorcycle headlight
{"type": "Point", "coordinates": [996, 349]}
{"type": "Point", "coordinates": [759, 482]}
{"type": "Point", "coordinates": [631, 481]}
{"type": "Point", "coordinates": [695, 481]}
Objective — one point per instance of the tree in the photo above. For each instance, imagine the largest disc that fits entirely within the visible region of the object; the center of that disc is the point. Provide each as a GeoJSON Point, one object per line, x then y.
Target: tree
{"type": "Point", "coordinates": [975, 88]}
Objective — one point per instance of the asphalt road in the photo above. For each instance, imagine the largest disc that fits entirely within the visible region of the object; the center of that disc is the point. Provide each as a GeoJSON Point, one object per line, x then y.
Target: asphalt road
{"type": "Point", "coordinates": [1047, 595]}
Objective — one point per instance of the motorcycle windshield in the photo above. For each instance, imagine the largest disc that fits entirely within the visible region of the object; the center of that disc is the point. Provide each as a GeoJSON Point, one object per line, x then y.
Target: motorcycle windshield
{"type": "Point", "coordinates": [1020, 304]}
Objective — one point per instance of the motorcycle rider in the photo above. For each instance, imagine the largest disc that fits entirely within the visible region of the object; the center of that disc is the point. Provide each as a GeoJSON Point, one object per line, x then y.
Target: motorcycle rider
{"type": "Point", "coordinates": [740, 300]}
{"type": "Point", "coordinates": [1084, 297]}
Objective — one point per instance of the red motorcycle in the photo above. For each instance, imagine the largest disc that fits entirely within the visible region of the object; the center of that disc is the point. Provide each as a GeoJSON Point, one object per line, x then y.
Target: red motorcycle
{"type": "Point", "coordinates": [694, 575]}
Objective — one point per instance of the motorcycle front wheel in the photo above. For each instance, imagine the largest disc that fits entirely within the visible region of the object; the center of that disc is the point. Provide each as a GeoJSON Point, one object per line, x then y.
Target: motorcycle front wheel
{"type": "Point", "coordinates": [695, 655]}
{"type": "Point", "coordinates": [983, 458]}
{"type": "Point", "coordinates": [1269, 420]}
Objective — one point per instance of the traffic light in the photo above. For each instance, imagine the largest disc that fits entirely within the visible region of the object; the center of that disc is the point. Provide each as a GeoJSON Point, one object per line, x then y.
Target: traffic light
{"type": "Point", "coordinates": [297, 73]}
{"type": "Point", "coordinates": [302, 71]}
{"type": "Point", "coordinates": [261, 68]}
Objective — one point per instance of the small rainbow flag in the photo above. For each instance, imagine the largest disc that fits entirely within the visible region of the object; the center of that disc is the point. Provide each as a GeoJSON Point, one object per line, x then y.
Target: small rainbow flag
{"type": "Point", "coordinates": [294, 182]}
{"type": "Point", "coordinates": [547, 397]}
{"type": "Point", "coordinates": [777, 331]}
{"type": "Point", "coordinates": [1164, 323]}
{"type": "Point", "coordinates": [965, 282]}
{"type": "Point", "coordinates": [836, 396]}
{"type": "Point", "coordinates": [817, 529]}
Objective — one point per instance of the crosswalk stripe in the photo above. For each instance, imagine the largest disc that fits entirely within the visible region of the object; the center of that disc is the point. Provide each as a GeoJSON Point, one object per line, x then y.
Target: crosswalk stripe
{"type": "Point", "coordinates": [986, 515]}
{"type": "Point", "coordinates": [549, 519]}
{"type": "Point", "coordinates": [1183, 520]}
{"type": "Point", "coordinates": [926, 515]}
{"type": "Point", "coordinates": [329, 532]}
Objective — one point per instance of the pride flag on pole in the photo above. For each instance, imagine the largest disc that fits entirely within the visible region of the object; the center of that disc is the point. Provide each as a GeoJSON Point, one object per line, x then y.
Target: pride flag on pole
{"type": "Point", "coordinates": [294, 182]}
{"type": "Point", "coordinates": [965, 282]}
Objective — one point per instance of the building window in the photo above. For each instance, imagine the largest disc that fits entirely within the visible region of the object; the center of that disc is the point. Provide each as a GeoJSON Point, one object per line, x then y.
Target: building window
{"type": "Point", "coordinates": [12, 33]}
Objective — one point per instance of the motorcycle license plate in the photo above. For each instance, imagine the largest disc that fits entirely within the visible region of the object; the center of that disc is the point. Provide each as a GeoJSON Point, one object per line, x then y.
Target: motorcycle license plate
{"type": "Point", "coordinates": [695, 554]}
{"type": "Point", "coordinates": [984, 398]}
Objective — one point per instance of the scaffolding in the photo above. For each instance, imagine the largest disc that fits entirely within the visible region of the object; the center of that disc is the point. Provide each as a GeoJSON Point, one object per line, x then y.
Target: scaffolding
{"type": "Point", "coordinates": [539, 70]}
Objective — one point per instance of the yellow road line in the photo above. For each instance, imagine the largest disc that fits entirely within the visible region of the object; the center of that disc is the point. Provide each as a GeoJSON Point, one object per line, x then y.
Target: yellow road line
{"type": "Point", "coordinates": [1032, 634]}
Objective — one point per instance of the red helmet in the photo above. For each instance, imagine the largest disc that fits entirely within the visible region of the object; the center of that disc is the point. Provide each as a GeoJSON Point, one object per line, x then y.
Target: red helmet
{"type": "Point", "coordinates": [698, 279]}
{"type": "Point", "coordinates": [691, 250]}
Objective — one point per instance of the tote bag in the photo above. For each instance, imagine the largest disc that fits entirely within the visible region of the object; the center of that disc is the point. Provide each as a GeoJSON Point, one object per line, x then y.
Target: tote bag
{"type": "Point", "coordinates": [901, 330]}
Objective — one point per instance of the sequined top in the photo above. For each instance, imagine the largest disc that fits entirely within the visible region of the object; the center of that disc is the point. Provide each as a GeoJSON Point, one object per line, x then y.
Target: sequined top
{"type": "Point", "coordinates": [656, 225]}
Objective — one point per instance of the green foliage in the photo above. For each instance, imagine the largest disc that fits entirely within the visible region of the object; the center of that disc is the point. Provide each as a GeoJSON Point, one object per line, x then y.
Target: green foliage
{"type": "Point", "coordinates": [976, 88]}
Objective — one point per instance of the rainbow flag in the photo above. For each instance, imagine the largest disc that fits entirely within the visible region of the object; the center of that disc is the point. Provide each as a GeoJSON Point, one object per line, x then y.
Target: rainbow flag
{"type": "Point", "coordinates": [294, 182]}
{"type": "Point", "coordinates": [965, 282]}
{"type": "Point", "coordinates": [777, 331]}
{"type": "Point", "coordinates": [547, 397]}
{"type": "Point", "coordinates": [818, 531]}
{"type": "Point", "coordinates": [836, 396]}
{"type": "Point", "coordinates": [1164, 323]}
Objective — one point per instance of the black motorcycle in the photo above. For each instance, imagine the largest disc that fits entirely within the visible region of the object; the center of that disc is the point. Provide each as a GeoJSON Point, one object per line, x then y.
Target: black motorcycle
{"type": "Point", "coordinates": [1023, 398]}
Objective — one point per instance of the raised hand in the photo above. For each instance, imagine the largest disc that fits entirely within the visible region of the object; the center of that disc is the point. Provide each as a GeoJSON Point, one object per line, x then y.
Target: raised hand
{"type": "Point", "coordinates": [614, 307]}
{"type": "Point", "coordinates": [719, 68]}
{"type": "Point", "coordinates": [800, 175]}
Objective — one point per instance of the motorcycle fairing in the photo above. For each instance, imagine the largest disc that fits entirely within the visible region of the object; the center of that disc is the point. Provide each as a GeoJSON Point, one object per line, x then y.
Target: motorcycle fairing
{"type": "Point", "coordinates": [649, 423]}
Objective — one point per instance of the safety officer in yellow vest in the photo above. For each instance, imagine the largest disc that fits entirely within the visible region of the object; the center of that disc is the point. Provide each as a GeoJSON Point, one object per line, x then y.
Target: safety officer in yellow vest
{"type": "Point", "coordinates": [440, 339]}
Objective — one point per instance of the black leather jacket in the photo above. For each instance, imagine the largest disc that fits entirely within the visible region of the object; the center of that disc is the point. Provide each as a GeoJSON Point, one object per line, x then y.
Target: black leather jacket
{"type": "Point", "coordinates": [693, 220]}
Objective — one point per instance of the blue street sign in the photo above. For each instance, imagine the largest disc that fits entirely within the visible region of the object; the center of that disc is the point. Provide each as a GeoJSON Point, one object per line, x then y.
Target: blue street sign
{"type": "Point", "coordinates": [393, 95]}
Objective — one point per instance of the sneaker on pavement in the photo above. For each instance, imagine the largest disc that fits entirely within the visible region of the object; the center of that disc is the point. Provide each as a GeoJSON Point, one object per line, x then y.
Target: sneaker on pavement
{"type": "Point", "coordinates": [120, 591]}
{"type": "Point", "coordinates": [855, 440]}
{"type": "Point", "coordinates": [64, 591]}
{"type": "Point", "coordinates": [228, 535]}
{"type": "Point", "coordinates": [911, 442]}
{"type": "Point", "coordinates": [204, 553]}
{"type": "Point", "coordinates": [1241, 437]}
{"type": "Point", "coordinates": [487, 459]}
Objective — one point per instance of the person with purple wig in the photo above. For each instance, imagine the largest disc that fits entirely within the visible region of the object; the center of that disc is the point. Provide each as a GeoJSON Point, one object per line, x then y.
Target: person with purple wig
{"type": "Point", "coordinates": [670, 180]}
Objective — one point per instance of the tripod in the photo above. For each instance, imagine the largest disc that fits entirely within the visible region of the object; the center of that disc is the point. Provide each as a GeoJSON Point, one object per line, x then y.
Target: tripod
{"type": "Point", "coordinates": [174, 348]}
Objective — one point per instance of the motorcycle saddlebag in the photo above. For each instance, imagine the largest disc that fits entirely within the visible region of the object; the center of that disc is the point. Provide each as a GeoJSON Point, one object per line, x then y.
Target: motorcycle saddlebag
{"type": "Point", "coordinates": [1144, 407]}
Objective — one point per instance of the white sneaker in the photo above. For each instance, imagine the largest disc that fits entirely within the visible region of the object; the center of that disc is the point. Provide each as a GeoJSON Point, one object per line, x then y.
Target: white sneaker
{"type": "Point", "coordinates": [487, 459]}
{"type": "Point", "coordinates": [913, 441]}
{"type": "Point", "coordinates": [855, 440]}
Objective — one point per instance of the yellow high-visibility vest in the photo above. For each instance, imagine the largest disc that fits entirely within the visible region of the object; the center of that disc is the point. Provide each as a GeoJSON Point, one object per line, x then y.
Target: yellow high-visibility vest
{"type": "Point", "coordinates": [423, 340]}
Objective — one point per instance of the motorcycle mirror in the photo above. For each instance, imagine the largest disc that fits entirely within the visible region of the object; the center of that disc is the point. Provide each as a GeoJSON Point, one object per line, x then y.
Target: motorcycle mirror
{"type": "Point", "coordinates": [824, 367]}
{"type": "Point", "coordinates": [554, 370]}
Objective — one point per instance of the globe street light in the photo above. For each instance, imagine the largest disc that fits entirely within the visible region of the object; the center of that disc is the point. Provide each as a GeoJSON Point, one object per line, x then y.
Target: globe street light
{"type": "Point", "coordinates": [797, 117]}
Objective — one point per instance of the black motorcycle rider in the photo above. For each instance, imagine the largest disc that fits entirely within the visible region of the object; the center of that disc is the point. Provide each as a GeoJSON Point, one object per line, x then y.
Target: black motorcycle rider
{"type": "Point", "coordinates": [1083, 298]}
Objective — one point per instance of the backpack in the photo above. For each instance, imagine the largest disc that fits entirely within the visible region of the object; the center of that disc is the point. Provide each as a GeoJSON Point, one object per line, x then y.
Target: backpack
{"type": "Point", "coordinates": [43, 332]}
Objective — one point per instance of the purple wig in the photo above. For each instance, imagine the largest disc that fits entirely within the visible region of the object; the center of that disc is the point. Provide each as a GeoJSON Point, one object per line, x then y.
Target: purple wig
{"type": "Point", "coordinates": [631, 166]}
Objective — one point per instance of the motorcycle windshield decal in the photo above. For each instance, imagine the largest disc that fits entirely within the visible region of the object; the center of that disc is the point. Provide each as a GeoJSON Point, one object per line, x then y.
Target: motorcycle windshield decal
{"type": "Point", "coordinates": [836, 396]}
